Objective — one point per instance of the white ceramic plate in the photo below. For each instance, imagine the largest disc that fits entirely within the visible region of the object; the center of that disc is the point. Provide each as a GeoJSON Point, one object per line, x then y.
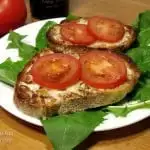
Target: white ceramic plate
{"type": "Point", "coordinates": [6, 92]}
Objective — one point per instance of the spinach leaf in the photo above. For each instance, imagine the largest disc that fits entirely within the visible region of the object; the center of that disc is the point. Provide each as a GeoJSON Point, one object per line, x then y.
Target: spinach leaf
{"type": "Point", "coordinates": [124, 110]}
{"type": "Point", "coordinates": [72, 17]}
{"type": "Point", "coordinates": [141, 92]}
{"type": "Point", "coordinates": [141, 56]}
{"type": "Point", "coordinates": [67, 131]}
{"type": "Point", "coordinates": [41, 40]}
{"type": "Point", "coordinates": [26, 51]}
{"type": "Point", "coordinates": [144, 20]}
{"type": "Point", "coordinates": [144, 37]}
{"type": "Point", "coordinates": [142, 27]}
{"type": "Point", "coordinates": [9, 71]}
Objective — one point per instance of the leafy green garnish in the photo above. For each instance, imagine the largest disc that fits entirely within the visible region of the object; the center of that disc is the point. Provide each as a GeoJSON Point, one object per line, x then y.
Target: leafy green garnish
{"type": "Point", "coordinates": [124, 110]}
{"type": "Point", "coordinates": [26, 51]}
{"type": "Point", "coordinates": [72, 17]}
{"type": "Point", "coordinates": [67, 131]}
{"type": "Point", "coordinates": [144, 38]}
{"type": "Point", "coordinates": [141, 92]}
{"type": "Point", "coordinates": [9, 71]}
{"type": "Point", "coordinates": [141, 56]}
{"type": "Point", "coordinates": [41, 40]}
{"type": "Point", "coordinates": [144, 20]}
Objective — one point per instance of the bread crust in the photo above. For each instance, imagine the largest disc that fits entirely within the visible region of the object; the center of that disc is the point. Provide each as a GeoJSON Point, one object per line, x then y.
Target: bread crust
{"type": "Point", "coordinates": [40, 101]}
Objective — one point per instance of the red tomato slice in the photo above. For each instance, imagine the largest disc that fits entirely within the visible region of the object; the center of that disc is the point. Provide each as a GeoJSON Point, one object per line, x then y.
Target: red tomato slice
{"type": "Point", "coordinates": [103, 69]}
{"type": "Point", "coordinates": [106, 29]}
{"type": "Point", "coordinates": [56, 71]}
{"type": "Point", "coordinates": [76, 33]}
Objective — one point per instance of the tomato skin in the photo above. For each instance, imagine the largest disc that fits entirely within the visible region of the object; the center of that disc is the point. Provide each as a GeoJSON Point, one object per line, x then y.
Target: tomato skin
{"type": "Point", "coordinates": [59, 77]}
{"type": "Point", "coordinates": [76, 33]}
{"type": "Point", "coordinates": [95, 74]}
{"type": "Point", "coordinates": [106, 29]}
{"type": "Point", "coordinates": [12, 14]}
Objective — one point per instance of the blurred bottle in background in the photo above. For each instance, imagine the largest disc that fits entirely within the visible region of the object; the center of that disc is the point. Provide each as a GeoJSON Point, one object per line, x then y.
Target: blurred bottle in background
{"type": "Point", "coordinates": [44, 9]}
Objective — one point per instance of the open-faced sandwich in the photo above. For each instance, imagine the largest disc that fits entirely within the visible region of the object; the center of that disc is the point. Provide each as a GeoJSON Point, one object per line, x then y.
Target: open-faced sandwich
{"type": "Point", "coordinates": [80, 70]}
{"type": "Point", "coordinates": [58, 83]}
{"type": "Point", "coordinates": [94, 32]}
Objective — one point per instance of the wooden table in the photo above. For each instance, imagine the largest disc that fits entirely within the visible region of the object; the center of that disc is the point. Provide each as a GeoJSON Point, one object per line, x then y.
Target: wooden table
{"type": "Point", "coordinates": [16, 134]}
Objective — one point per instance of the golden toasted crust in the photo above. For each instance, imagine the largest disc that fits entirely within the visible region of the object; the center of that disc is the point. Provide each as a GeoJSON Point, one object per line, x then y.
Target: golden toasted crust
{"type": "Point", "coordinates": [54, 37]}
{"type": "Point", "coordinates": [40, 101]}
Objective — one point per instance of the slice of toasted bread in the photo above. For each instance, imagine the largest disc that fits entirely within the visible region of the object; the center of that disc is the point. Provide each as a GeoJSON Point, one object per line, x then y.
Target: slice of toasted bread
{"type": "Point", "coordinates": [54, 37]}
{"type": "Point", "coordinates": [38, 101]}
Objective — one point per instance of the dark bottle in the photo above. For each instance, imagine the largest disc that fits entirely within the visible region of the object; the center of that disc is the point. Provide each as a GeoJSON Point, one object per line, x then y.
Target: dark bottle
{"type": "Point", "coordinates": [43, 9]}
